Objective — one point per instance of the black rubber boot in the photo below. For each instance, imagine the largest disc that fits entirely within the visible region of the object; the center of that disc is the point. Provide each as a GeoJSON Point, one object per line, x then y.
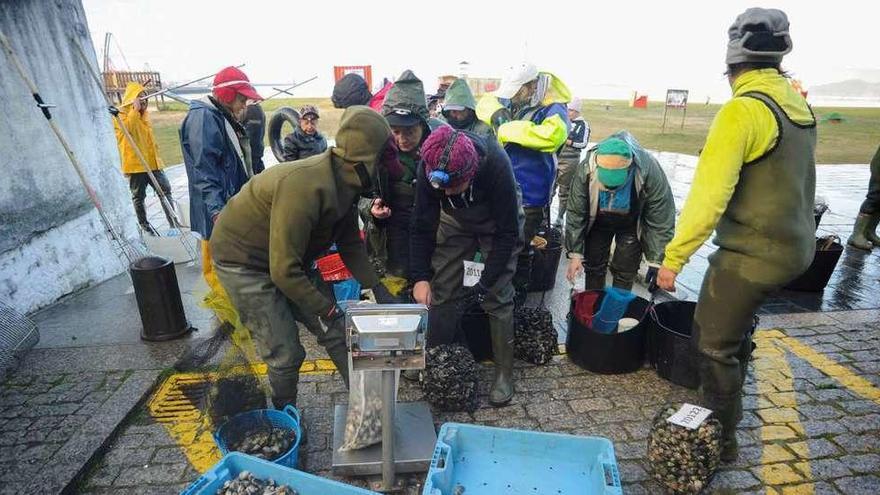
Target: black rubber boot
{"type": "Point", "coordinates": [871, 231]}
{"type": "Point", "coordinates": [502, 347]}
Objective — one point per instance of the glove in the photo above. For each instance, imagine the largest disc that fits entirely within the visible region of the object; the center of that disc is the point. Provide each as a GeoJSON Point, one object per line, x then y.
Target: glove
{"type": "Point", "coordinates": [336, 316]}
{"type": "Point", "coordinates": [382, 295]}
{"type": "Point", "coordinates": [651, 277]}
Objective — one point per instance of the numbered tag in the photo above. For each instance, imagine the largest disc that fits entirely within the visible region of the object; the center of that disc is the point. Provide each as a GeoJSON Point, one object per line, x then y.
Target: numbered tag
{"type": "Point", "coordinates": [689, 416]}
{"type": "Point", "coordinates": [472, 273]}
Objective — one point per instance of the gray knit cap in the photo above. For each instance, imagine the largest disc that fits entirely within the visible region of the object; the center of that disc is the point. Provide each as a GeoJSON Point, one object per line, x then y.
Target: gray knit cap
{"type": "Point", "coordinates": [752, 21]}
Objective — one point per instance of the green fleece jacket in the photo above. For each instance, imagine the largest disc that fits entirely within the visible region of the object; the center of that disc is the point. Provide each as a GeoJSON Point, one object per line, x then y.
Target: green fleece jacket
{"type": "Point", "coordinates": [286, 216]}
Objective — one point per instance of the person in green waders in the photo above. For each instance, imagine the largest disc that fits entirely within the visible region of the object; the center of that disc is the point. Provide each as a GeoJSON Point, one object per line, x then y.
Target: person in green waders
{"type": "Point", "coordinates": [467, 200]}
{"type": "Point", "coordinates": [388, 213]}
{"type": "Point", "coordinates": [864, 234]}
{"type": "Point", "coordinates": [755, 186]}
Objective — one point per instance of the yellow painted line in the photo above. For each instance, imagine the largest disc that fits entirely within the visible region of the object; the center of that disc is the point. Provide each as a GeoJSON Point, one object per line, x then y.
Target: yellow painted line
{"type": "Point", "coordinates": [780, 421]}
{"type": "Point", "coordinates": [826, 365]}
{"type": "Point", "coordinates": [188, 426]}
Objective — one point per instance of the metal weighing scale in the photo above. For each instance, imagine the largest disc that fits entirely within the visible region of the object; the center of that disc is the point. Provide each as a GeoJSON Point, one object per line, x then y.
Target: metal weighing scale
{"type": "Point", "coordinates": [388, 338]}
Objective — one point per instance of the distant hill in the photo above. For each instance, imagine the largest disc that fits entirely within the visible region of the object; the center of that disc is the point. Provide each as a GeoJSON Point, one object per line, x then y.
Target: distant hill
{"type": "Point", "coordinates": [852, 88]}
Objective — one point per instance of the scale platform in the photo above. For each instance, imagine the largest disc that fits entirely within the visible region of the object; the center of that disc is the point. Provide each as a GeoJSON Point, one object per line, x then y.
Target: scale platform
{"type": "Point", "coordinates": [414, 437]}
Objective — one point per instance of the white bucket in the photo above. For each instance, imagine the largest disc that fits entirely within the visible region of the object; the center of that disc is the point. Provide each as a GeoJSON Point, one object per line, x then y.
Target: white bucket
{"type": "Point", "coordinates": [626, 324]}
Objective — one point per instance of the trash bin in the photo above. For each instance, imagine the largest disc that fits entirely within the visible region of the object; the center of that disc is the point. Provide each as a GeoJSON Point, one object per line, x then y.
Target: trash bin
{"type": "Point", "coordinates": [158, 298]}
{"type": "Point", "coordinates": [608, 353]}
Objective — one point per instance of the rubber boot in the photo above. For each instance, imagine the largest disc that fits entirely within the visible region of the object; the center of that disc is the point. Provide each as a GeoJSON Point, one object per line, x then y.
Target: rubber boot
{"type": "Point", "coordinates": [859, 238]}
{"type": "Point", "coordinates": [871, 231]}
{"type": "Point", "coordinates": [502, 347]}
{"type": "Point", "coordinates": [169, 215]}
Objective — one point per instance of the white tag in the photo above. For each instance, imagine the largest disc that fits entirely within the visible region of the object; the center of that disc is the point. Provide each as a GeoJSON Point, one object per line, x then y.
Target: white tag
{"type": "Point", "coordinates": [472, 273]}
{"type": "Point", "coordinates": [690, 416]}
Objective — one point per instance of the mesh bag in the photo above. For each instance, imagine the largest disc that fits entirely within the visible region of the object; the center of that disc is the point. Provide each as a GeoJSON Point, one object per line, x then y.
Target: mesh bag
{"type": "Point", "coordinates": [363, 422]}
{"type": "Point", "coordinates": [451, 378]}
{"type": "Point", "coordinates": [681, 459]}
{"type": "Point", "coordinates": [535, 338]}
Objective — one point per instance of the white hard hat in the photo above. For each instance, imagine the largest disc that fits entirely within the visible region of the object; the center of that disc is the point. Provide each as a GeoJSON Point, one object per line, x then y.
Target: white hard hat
{"type": "Point", "coordinates": [515, 77]}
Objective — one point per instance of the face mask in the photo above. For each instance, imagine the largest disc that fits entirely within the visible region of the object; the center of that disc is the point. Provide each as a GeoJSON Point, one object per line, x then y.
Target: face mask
{"type": "Point", "coordinates": [612, 178]}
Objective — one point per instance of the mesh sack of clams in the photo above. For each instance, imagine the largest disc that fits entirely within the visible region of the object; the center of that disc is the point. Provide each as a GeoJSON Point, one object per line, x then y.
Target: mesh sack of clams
{"type": "Point", "coordinates": [535, 338]}
{"type": "Point", "coordinates": [248, 484]}
{"type": "Point", "coordinates": [363, 423]}
{"type": "Point", "coordinates": [450, 378]}
{"type": "Point", "coordinates": [681, 459]}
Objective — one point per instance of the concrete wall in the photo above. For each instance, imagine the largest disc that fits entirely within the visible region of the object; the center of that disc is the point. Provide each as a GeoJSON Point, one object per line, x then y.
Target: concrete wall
{"type": "Point", "coordinates": [52, 241]}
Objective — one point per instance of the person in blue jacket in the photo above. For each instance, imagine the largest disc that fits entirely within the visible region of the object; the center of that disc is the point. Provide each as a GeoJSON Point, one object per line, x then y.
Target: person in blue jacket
{"type": "Point", "coordinates": [534, 126]}
{"type": "Point", "coordinates": [217, 155]}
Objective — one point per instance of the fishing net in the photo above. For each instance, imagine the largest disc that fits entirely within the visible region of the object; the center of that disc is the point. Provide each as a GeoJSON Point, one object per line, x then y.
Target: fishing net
{"type": "Point", "coordinates": [226, 359]}
{"type": "Point", "coordinates": [451, 378]}
{"type": "Point", "coordinates": [681, 459]}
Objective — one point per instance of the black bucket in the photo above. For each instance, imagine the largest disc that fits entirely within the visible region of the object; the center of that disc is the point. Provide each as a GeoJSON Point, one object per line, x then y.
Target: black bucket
{"type": "Point", "coordinates": [475, 327]}
{"type": "Point", "coordinates": [611, 353]}
{"type": "Point", "coordinates": [669, 344]}
{"type": "Point", "coordinates": [545, 262]}
{"type": "Point", "coordinates": [819, 273]}
{"type": "Point", "coordinates": [158, 298]}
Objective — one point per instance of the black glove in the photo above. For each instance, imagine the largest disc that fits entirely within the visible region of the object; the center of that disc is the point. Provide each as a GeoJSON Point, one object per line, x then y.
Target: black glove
{"type": "Point", "coordinates": [382, 295]}
{"type": "Point", "coordinates": [651, 278]}
{"type": "Point", "coordinates": [336, 316]}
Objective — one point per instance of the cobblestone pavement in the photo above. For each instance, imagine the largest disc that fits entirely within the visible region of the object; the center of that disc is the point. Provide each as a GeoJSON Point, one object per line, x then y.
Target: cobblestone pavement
{"type": "Point", "coordinates": [811, 424]}
{"type": "Point", "coordinates": [51, 423]}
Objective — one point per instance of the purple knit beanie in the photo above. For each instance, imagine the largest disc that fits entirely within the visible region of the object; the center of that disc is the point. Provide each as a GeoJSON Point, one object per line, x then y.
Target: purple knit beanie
{"type": "Point", "coordinates": [462, 157]}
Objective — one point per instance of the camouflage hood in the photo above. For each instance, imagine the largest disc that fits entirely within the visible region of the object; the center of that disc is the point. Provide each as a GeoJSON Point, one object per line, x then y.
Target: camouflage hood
{"type": "Point", "coordinates": [406, 98]}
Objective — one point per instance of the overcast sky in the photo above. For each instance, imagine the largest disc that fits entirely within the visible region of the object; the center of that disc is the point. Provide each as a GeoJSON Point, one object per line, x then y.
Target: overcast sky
{"type": "Point", "coordinates": [601, 49]}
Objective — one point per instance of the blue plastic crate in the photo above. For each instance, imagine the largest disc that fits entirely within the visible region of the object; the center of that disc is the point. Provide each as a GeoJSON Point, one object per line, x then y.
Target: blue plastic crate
{"type": "Point", "coordinates": [235, 462]}
{"type": "Point", "coordinates": [490, 461]}
{"type": "Point", "coordinates": [287, 419]}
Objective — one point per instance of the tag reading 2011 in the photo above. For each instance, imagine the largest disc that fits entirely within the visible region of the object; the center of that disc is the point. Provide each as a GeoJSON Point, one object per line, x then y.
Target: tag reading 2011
{"type": "Point", "coordinates": [689, 416]}
{"type": "Point", "coordinates": [472, 273]}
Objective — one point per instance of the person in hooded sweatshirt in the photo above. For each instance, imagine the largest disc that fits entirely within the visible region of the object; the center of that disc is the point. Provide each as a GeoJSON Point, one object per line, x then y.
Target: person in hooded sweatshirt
{"type": "Point", "coordinates": [755, 186]}
{"type": "Point", "coordinates": [217, 155]}
{"type": "Point", "coordinates": [135, 117]}
{"type": "Point", "coordinates": [467, 201]}
{"type": "Point", "coordinates": [460, 110]}
{"type": "Point", "coordinates": [388, 213]}
{"type": "Point", "coordinates": [267, 238]}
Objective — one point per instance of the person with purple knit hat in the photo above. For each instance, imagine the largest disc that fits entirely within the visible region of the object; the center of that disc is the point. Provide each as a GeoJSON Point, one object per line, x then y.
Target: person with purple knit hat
{"type": "Point", "coordinates": [467, 201]}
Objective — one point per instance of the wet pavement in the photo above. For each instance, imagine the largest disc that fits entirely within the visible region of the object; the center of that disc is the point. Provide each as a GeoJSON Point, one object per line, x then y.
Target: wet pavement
{"type": "Point", "coordinates": [84, 413]}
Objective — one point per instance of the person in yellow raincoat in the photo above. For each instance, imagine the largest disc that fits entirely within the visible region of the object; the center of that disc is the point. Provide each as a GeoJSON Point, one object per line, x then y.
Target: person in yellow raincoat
{"type": "Point", "coordinates": [135, 117]}
{"type": "Point", "coordinates": [754, 186]}
{"type": "Point", "coordinates": [531, 119]}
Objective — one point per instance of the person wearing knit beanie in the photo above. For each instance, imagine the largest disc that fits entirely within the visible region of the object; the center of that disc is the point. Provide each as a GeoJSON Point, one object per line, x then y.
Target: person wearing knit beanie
{"type": "Point", "coordinates": [467, 202]}
{"type": "Point", "coordinates": [450, 159]}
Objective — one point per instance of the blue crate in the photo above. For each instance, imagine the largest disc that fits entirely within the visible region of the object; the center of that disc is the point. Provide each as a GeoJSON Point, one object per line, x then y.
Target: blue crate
{"type": "Point", "coordinates": [235, 462]}
{"type": "Point", "coordinates": [287, 419]}
{"type": "Point", "coordinates": [490, 461]}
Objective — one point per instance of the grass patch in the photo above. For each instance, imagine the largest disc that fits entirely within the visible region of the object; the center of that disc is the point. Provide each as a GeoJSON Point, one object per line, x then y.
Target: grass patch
{"type": "Point", "coordinates": [851, 141]}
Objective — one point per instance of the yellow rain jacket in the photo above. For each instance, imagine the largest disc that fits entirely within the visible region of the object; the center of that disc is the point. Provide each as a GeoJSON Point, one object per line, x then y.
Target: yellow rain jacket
{"type": "Point", "coordinates": [744, 130]}
{"type": "Point", "coordinates": [138, 125]}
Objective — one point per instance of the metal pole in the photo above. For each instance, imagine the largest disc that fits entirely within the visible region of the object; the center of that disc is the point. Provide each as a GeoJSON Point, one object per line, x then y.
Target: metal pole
{"type": "Point", "coordinates": [163, 198]}
{"type": "Point", "coordinates": [130, 253]}
{"type": "Point", "coordinates": [286, 90]}
{"type": "Point", "coordinates": [683, 115]}
{"type": "Point", "coordinates": [388, 474]}
{"type": "Point", "coordinates": [665, 109]}
{"type": "Point", "coordinates": [172, 88]}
